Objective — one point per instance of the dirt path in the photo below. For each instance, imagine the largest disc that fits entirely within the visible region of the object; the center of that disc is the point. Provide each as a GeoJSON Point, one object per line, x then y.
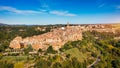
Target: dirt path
{"type": "Point", "coordinates": [29, 65]}
{"type": "Point", "coordinates": [94, 63]}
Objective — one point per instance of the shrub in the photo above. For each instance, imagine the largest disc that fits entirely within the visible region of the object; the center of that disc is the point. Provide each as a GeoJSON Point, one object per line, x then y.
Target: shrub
{"type": "Point", "coordinates": [19, 65]}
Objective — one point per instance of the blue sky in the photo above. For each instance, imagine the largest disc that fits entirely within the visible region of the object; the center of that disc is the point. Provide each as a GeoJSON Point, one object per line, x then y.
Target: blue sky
{"type": "Point", "coordinates": [44, 12]}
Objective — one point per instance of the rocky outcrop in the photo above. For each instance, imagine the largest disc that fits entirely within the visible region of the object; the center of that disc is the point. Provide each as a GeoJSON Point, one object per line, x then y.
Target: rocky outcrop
{"type": "Point", "coordinates": [55, 38]}
{"type": "Point", "coordinates": [15, 44]}
{"type": "Point", "coordinates": [58, 37]}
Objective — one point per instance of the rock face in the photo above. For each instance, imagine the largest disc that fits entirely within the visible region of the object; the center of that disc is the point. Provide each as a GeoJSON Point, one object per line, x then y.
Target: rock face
{"type": "Point", "coordinates": [15, 44]}
{"type": "Point", "coordinates": [55, 38]}
{"type": "Point", "coordinates": [58, 37]}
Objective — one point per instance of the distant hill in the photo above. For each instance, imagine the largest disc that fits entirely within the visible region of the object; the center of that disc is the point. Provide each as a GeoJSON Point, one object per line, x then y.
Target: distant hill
{"type": "Point", "coordinates": [1, 24]}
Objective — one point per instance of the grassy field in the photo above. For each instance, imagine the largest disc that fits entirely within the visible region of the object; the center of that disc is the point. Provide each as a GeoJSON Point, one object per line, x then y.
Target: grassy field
{"type": "Point", "coordinates": [74, 52]}
{"type": "Point", "coordinates": [15, 58]}
{"type": "Point", "coordinates": [18, 61]}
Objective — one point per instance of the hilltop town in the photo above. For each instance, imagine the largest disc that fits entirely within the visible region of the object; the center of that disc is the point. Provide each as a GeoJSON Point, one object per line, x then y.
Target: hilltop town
{"type": "Point", "coordinates": [57, 37]}
{"type": "Point", "coordinates": [50, 46]}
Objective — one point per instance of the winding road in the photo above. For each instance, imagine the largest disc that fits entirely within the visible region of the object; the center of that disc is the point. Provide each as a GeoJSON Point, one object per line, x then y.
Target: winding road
{"type": "Point", "coordinates": [94, 63]}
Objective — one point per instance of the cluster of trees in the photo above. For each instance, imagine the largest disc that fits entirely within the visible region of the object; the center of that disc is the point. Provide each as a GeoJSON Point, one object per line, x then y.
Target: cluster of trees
{"type": "Point", "coordinates": [52, 63]}
{"type": "Point", "coordinates": [28, 49]}
{"type": "Point", "coordinates": [106, 45]}
{"type": "Point", "coordinates": [51, 50]}
{"type": "Point", "coordinates": [6, 64]}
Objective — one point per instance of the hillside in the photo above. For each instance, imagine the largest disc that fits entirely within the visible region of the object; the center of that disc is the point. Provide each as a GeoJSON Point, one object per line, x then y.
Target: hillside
{"type": "Point", "coordinates": [1, 24]}
{"type": "Point", "coordinates": [96, 49]}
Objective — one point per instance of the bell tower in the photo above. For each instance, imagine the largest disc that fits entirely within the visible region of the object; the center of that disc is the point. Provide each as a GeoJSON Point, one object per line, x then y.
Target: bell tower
{"type": "Point", "coordinates": [68, 25]}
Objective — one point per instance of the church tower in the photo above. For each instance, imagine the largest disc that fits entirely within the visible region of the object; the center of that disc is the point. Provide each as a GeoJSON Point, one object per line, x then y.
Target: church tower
{"type": "Point", "coordinates": [68, 25]}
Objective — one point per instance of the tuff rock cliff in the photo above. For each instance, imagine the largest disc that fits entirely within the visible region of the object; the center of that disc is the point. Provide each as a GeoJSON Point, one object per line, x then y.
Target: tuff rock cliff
{"type": "Point", "coordinates": [56, 38]}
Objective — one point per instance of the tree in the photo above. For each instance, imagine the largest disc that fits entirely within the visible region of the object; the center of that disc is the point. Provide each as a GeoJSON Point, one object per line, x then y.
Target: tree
{"type": "Point", "coordinates": [51, 50]}
{"type": "Point", "coordinates": [41, 63]}
{"type": "Point", "coordinates": [6, 64]}
{"type": "Point", "coordinates": [28, 49]}
{"type": "Point", "coordinates": [68, 56]}
{"type": "Point", "coordinates": [76, 63]}
{"type": "Point", "coordinates": [57, 65]}
{"type": "Point", "coordinates": [116, 63]}
{"type": "Point", "coordinates": [67, 64]}
{"type": "Point", "coordinates": [1, 48]}
{"type": "Point", "coordinates": [40, 50]}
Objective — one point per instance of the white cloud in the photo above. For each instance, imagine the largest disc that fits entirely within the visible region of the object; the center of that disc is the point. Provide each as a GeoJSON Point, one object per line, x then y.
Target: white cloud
{"type": "Point", "coordinates": [62, 13]}
{"type": "Point", "coordinates": [14, 10]}
{"type": "Point", "coordinates": [41, 11]}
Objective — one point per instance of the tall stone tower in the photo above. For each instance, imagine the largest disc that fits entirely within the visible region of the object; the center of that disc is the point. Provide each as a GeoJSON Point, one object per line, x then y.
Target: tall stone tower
{"type": "Point", "coordinates": [68, 25]}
